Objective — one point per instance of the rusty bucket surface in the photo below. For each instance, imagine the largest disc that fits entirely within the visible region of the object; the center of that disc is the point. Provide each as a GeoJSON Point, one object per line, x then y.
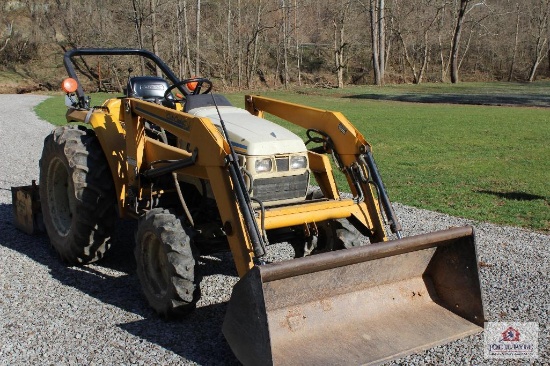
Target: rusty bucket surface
{"type": "Point", "coordinates": [364, 305]}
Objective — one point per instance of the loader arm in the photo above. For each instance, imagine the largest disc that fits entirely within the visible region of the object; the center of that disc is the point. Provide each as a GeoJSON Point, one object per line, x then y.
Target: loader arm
{"type": "Point", "coordinates": [349, 147]}
{"type": "Point", "coordinates": [211, 151]}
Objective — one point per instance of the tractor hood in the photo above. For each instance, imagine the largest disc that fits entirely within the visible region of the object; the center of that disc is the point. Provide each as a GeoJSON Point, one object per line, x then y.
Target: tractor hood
{"type": "Point", "coordinates": [252, 135]}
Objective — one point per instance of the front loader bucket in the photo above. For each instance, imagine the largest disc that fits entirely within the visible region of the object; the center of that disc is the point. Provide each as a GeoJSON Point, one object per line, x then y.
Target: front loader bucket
{"type": "Point", "coordinates": [364, 305]}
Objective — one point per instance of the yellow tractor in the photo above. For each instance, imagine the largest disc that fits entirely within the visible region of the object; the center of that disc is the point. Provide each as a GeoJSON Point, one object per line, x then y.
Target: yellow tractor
{"type": "Point", "coordinates": [201, 175]}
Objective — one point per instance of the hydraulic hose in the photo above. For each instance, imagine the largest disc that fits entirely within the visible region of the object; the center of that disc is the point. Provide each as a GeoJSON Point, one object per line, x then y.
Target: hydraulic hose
{"type": "Point", "coordinates": [395, 226]}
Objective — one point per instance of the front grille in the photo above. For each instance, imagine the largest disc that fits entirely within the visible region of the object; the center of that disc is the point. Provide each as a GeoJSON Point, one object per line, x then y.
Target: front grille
{"type": "Point", "coordinates": [282, 164]}
{"type": "Point", "coordinates": [280, 188]}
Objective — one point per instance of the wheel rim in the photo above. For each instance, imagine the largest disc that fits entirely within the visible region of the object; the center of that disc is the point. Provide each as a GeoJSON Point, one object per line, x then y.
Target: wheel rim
{"type": "Point", "coordinates": [154, 263]}
{"type": "Point", "coordinates": [60, 197]}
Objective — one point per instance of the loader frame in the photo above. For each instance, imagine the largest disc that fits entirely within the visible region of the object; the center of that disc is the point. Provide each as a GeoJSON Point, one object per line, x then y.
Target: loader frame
{"type": "Point", "coordinates": [119, 126]}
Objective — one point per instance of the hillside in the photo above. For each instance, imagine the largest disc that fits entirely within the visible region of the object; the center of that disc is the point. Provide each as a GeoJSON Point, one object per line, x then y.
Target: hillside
{"type": "Point", "coordinates": [246, 44]}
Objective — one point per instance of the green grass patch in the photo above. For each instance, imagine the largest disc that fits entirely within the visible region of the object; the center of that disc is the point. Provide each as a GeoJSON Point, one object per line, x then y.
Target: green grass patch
{"type": "Point", "coordinates": [484, 163]}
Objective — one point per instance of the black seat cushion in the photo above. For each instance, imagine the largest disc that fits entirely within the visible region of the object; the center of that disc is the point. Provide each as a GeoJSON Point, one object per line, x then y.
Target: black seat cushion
{"type": "Point", "coordinates": [147, 87]}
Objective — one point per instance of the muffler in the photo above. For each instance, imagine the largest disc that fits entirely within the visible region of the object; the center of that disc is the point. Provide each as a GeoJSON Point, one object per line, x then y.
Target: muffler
{"type": "Point", "coordinates": [364, 305]}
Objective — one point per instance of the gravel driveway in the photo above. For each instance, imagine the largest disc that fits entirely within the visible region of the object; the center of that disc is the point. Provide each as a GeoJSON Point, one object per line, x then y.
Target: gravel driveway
{"type": "Point", "coordinates": [95, 314]}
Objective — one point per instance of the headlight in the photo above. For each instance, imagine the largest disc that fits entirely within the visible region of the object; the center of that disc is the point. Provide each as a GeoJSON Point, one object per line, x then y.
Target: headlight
{"type": "Point", "coordinates": [263, 165]}
{"type": "Point", "coordinates": [298, 162]}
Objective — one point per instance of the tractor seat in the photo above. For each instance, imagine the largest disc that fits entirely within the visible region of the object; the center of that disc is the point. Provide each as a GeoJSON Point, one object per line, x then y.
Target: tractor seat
{"type": "Point", "coordinates": [149, 88]}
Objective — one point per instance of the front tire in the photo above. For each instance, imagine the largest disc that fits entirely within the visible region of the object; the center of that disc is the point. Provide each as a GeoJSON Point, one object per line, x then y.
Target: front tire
{"type": "Point", "coordinates": [334, 234]}
{"type": "Point", "coordinates": [166, 264]}
{"type": "Point", "coordinates": [77, 195]}
{"type": "Point", "coordinates": [338, 234]}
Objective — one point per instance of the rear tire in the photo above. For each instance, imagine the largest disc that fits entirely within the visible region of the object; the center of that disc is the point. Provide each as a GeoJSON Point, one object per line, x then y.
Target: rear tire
{"type": "Point", "coordinates": [166, 264]}
{"type": "Point", "coordinates": [77, 195]}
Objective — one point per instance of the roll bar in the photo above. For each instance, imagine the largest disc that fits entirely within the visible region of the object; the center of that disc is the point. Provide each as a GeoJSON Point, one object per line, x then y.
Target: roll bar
{"type": "Point", "coordinates": [83, 102]}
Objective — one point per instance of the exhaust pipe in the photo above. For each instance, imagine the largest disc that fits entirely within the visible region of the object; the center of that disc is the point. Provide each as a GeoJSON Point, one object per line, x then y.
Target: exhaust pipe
{"type": "Point", "coordinates": [363, 305]}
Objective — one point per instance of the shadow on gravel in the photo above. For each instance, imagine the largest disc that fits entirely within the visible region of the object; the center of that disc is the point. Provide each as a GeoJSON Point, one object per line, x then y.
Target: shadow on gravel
{"type": "Point", "coordinates": [120, 289]}
{"type": "Point", "coordinates": [113, 281]}
{"type": "Point", "coordinates": [529, 100]}
{"type": "Point", "coordinates": [197, 338]}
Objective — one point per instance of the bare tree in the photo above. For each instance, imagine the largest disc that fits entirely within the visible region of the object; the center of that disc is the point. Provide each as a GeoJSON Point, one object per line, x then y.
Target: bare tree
{"type": "Point", "coordinates": [154, 40]}
{"type": "Point", "coordinates": [229, 43]}
{"type": "Point", "coordinates": [198, 32]}
{"type": "Point", "coordinates": [375, 40]}
{"type": "Point", "coordinates": [415, 42]}
{"type": "Point", "coordinates": [254, 25]}
{"type": "Point", "coordinates": [138, 18]}
{"type": "Point", "coordinates": [382, 39]}
{"type": "Point", "coordinates": [8, 36]}
{"type": "Point", "coordinates": [539, 21]}
{"type": "Point", "coordinates": [339, 47]}
{"type": "Point", "coordinates": [284, 30]}
{"type": "Point", "coordinates": [297, 40]}
{"type": "Point", "coordinates": [239, 45]}
{"type": "Point", "coordinates": [514, 52]}
{"type": "Point", "coordinates": [180, 58]}
{"type": "Point", "coordinates": [377, 9]}
{"type": "Point", "coordinates": [465, 7]}
{"type": "Point", "coordinates": [186, 36]}
{"type": "Point", "coordinates": [456, 39]}
{"type": "Point", "coordinates": [251, 39]}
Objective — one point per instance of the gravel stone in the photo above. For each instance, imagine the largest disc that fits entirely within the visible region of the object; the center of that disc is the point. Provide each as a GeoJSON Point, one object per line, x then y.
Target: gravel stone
{"type": "Point", "coordinates": [52, 314]}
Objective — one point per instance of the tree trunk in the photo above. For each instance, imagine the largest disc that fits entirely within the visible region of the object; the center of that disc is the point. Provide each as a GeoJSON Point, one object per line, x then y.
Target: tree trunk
{"type": "Point", "coordinates": [239, 46]}
{"type": "Point", "coordinates": [541, 44]}
{"type": "Point", "coordinates": [229, 47]}
{"type": "Point", "coordinates": [138, 25]}
{"type": "Point", "coordinates": [252, 46]}
{"type": "Point", "coordinates": [425, 57]}
{"type": "Point", "coordinates": [381, 39]}
{"type": "Point", "coordinates": [179, 51]}
{"type": "Point", "coordinates": [542, 39]}
{"type": "Point", "coordinates": [198, 45]}
{"type": "Point", "coordinates": [514, 52]}
{"type": "Point", "coordinates": [154, 40]}
{"type": "Point", "coordinates": [285, 43]}
{"type": "Point", "coordinates": [338, 53]}
{"type": "Point", "coordinates": [456, 40]}
{"type": "Point", "coordinates": [339, 43]}
{"type": "Point", "coordinates": [186, 35]}
{"type": "Point", "coordinates": [298, 57]}
{"type": "Point", "coordinates": [8, 37]}
{"type": "Point", "coordinates": [256, 45]}
{"type": "Point", "coordinates": [408, 58]}
{"type": "Point", "coordinates": [533, 71]}
{"type": "Point", "coordinates": [375, 42]}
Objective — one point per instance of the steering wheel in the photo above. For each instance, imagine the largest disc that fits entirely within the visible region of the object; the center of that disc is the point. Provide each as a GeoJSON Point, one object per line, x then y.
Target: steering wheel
{"type": "Point", "coordinates": [188, 90]}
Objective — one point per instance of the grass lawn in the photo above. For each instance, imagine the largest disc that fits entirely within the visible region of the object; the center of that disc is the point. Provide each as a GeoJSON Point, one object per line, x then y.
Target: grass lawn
{"type": "Point", "coordinates": [486, 163]}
